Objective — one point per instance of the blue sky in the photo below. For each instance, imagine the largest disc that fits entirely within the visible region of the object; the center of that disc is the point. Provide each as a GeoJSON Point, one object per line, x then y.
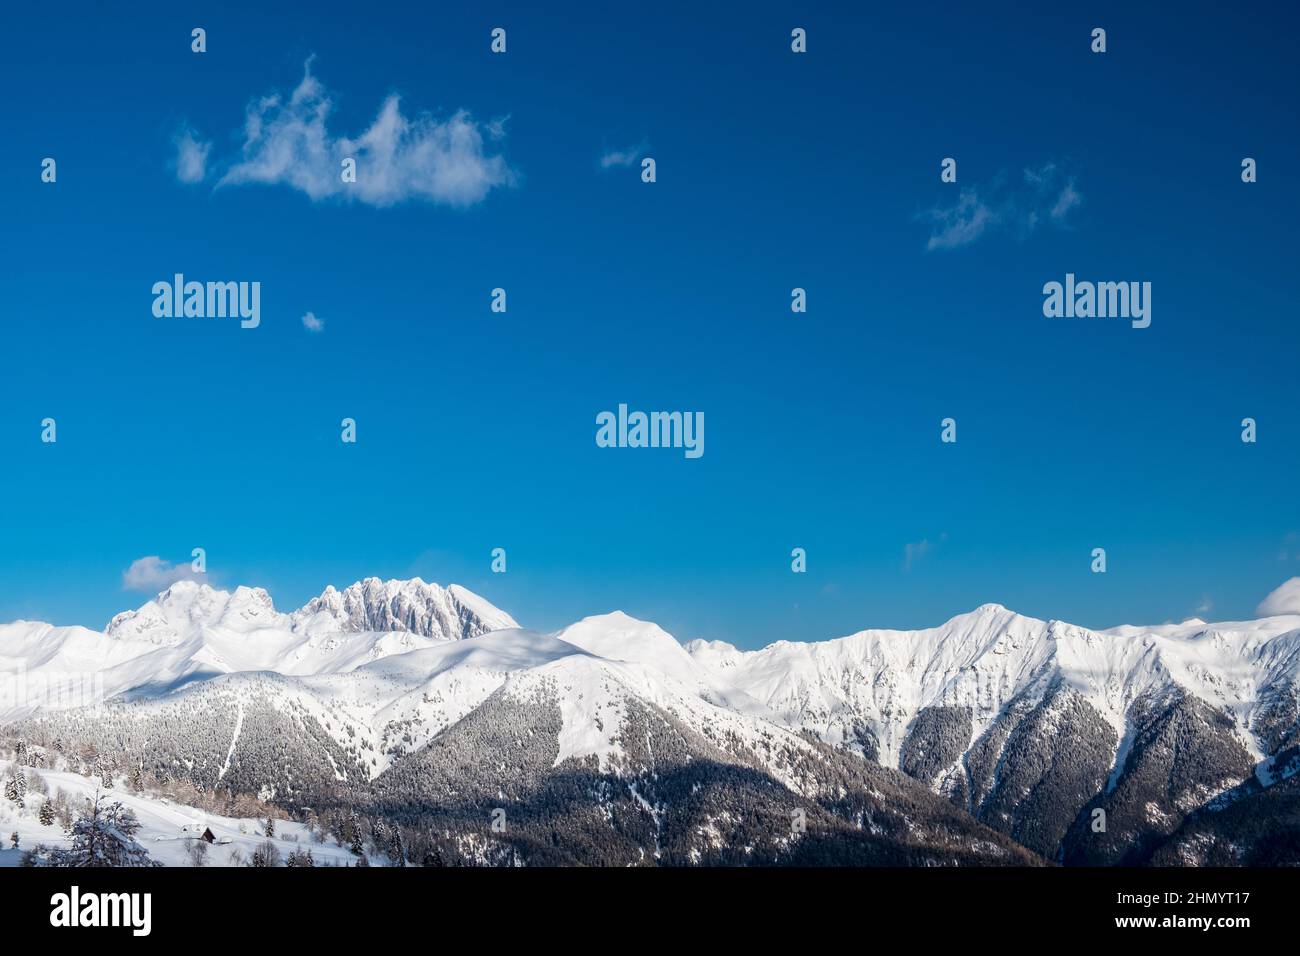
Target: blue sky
{"type": "Point", "coordinates": [775, 170]}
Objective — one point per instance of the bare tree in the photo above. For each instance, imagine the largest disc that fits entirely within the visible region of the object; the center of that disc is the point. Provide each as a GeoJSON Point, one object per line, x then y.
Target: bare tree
{"type": "Point", "coordinates": [198, 852]}
{"type": "Point", "coordinates": [265, 855]}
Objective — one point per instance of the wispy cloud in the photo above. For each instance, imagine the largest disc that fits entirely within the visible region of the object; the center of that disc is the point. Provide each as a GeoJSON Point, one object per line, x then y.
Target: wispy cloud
{"type": "Point", "coordinates": [914, 551]}
{"type": "Point", "coordinates": [311, 323]}
{"type": "Point", "coordinates": [191, 156]}
{"type": "Point", "coordinates": [1284, 599]}
{"type": "Point", "coordinates": [1290, 546]}
{"type": "Point", "coordinates": [399, 158]}
{"type": "Point", "coordinates": [1067, 199]}
{"type": "Point", "coordinates": [961, 224]}
{"type": "Point", "coordinates": [152, 573]}
{"type": "Point", "coordinates": [1044, 194]}
{"type": "Point", "coordinates": [621, 157]}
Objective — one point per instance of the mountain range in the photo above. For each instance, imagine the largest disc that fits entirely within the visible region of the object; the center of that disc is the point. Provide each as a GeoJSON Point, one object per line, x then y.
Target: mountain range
{"type": "Point", "coordinates": [991, 739]}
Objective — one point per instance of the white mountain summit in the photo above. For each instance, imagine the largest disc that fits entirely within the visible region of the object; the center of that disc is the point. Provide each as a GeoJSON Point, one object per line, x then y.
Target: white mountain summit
{"type": "Point", "coordinates": [414, 606]}
{"type": "Point", "coordinates": [193, 631]}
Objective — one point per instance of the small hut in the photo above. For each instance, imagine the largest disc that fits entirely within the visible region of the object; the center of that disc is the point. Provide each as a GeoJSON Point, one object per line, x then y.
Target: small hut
{"type": "Point", "coordinates": [197, 831]}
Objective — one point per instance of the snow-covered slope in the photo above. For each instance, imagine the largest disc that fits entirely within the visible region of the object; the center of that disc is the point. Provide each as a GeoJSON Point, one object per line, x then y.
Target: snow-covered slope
{"type": "Point", "coordinates": [877, 682]}
{"type": "Point", "coordinates": [412, 606]}
{"type": "Point", "coordinates": [1033, 725]}
{"type": "Point", "coordinates": [166, 827]}
{"type": "Point", "coordinates": [396, 704]}
{"type": "Point", "coordinates": [1024, 724]}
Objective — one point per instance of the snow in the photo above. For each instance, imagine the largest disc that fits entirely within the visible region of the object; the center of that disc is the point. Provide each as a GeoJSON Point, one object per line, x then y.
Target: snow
{"type": "Point", "coordinates": [192, 631]}
{"type": "Point", "coordinates": [990, 656]}
{"type": "Point", "coordinates": [162, 822]}
{"type": "Point", "coordinates": [234, 739]}
{"type": "Point", "coordinates": [441, 653]}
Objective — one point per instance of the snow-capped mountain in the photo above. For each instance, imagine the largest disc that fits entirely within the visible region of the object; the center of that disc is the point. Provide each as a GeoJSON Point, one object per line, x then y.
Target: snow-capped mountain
{"type": "Point", "coordinates": [1032, 725]}
{"type": "Point", "coordinates": [192, 631]}
{"type": "Point", "coordinates": [867, 690]}
{"type": "Point", "coordinates": [413, 606]}
{"type": "Point", "coordinates": [418, 704]}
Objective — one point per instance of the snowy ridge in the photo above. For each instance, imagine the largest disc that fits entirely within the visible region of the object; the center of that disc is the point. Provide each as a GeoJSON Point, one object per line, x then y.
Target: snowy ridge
{"type": "Point", "coordinates": [193, 632]}
{"type": "Point", "coordinates": [619, 660]}
{"type": "Point", "coordinates": [414, 606]}
{"type": "Point", "coordinates": [395, 705]}
{"type": "Point", "coordinates": [881, 680]}
{"type": "Point", "coordinates": [383, 668]}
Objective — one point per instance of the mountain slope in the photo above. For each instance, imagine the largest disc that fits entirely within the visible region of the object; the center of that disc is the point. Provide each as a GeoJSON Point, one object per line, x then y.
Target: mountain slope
{"type": "Point", "coordinates": [609, 741]}
{"type": "Point", "coordinates": [1032, 724]}
{"type": "Point", "coordinates": [634, 758]}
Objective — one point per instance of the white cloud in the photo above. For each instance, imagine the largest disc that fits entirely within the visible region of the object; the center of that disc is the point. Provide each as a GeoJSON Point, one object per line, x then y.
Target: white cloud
{"type": "Point", "coordinates": [914, 551]}
{"type": "Point", "coordinates": [152, 573]}
{"type": "Point", "coordinates": [1289, 542]}
{"type": "Point", "coordinates": [1284, 599]}
{"type": "Point", "coordinates": [311, 323]}
{"type": "Point", "coordinates": [1067, 200]}
{"type": "Point", "coordinates": [191, 157]}
{"type": "Point", "coordinates": [398, 158]}
{"type": "Point", "coordinates": [1045, 194]}
{"type": "Point", "coordinates": [962, 224]}
{"type": "Point", "coordinates": [620, 157]}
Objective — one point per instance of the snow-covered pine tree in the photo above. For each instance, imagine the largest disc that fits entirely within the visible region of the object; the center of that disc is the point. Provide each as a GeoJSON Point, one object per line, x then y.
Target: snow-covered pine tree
{"type": "Point", "coordinates": [270, 827]}
{"type": "Point", "coordinates": [34, 856]}
{"type": "Point", "coordinates": [11, 789]}
{"type": "Point", "coordinates": [104, 835]}
{"type": "Point", "coordinates": [47, 814]}
{"type": "Point", "coordinates": [396, 852]}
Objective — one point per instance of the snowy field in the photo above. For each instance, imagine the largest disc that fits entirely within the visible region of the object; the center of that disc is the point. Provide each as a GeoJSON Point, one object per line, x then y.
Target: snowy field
{"type": "Point", "coordinates": [161, 823]}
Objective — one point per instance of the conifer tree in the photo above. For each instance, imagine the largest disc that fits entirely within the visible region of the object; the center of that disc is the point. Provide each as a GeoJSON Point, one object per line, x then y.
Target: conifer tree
{"type": "Point", "coordinates": [104, 835]}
